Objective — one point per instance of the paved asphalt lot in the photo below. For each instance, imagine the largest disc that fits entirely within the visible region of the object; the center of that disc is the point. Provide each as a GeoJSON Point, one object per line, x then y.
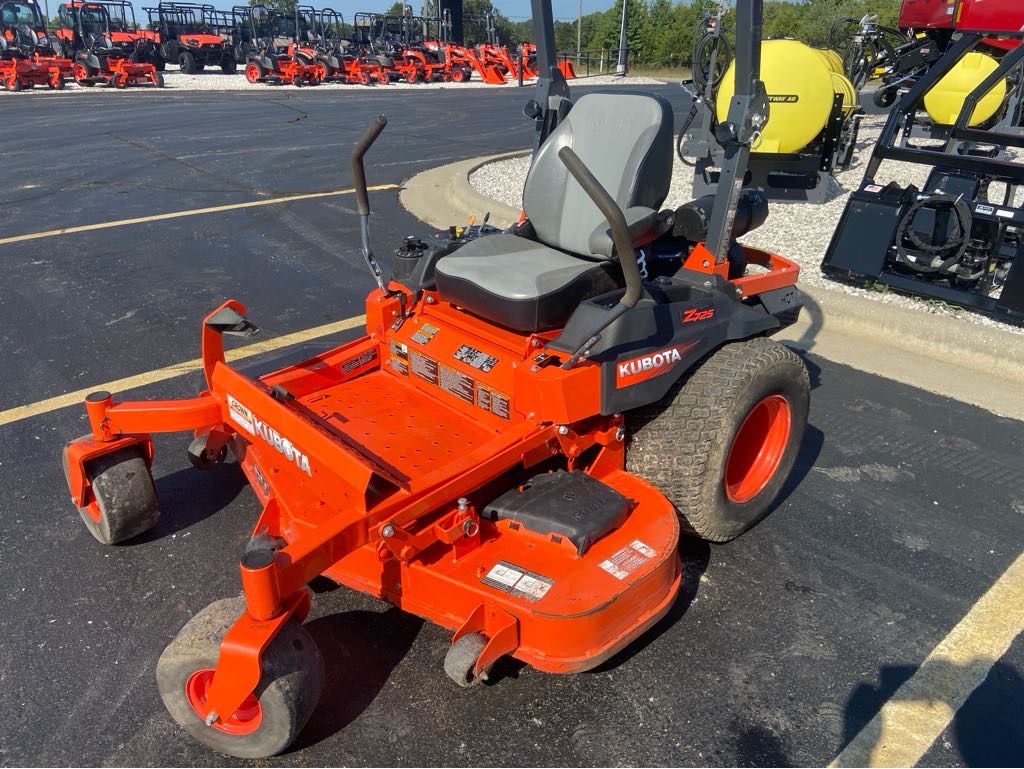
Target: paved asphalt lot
{"type": "Point", "coordinates": [904, 508]}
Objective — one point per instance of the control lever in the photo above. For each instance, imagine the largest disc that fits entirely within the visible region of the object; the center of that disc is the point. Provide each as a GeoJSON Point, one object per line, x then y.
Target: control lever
{"type": "Point", "coordinates": [623, 249]}
{"type": "Point", "coordinates": [363, 198]}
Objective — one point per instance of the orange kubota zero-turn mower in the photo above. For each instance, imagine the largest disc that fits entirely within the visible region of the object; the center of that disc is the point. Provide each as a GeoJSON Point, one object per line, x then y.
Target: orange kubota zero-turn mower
{"type": "Point", "coordinates": [510, 449]}
{"type": "Point", "coordinates": [27, 57]}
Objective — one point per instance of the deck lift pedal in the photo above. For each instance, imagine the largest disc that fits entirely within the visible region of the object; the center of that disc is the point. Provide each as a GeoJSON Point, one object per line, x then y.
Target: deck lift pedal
{"type": "Point", "coordinates": [511, 448]}
{"type": "Point", "coordinates": [960, 238]}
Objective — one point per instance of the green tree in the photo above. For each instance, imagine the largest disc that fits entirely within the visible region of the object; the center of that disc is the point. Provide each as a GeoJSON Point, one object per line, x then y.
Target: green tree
{"type": "Point", "coordinates": [284, 6]}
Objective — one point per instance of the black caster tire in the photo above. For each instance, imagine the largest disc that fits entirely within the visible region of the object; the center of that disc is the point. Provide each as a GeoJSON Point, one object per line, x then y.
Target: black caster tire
{"type": "Point", "coordinates": [273, 715]}
{"type": "Point", "coordinates": [461, 659]}
{"type": "Point", "coordinates": [722, 442]}
{"type": "Point", "coordinates": [126, 501]}
{"type": "Point", "coordinates": [203, 459]}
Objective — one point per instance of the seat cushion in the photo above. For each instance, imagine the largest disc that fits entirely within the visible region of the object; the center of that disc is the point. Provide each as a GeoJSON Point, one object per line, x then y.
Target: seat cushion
{"type": "Point", "coordinates": [520, 284]}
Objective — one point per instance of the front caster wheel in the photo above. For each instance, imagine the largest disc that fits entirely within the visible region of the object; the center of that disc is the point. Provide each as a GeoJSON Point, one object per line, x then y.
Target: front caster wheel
{"type": "Point", "coordinates": [722, 442]}
{"type": "Point", "coordinates": [201, 457]}
{"type": "Point", "coordinates": [124, 499]}
{"type": "Point", "coordinates": [461, 659]}
{"type": "Point", "coordinates": [271, 717]}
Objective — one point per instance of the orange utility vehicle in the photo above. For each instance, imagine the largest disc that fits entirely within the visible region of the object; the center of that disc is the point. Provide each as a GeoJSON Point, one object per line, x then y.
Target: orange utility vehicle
{"type": "Point", "coordinates": [193, 36]}
{"type": "Point", "coordinates": [511, 447]}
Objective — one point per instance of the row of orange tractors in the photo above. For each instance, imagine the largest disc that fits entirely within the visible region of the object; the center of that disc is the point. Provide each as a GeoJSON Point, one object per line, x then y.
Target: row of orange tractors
{"type": "Point", "coordinates": [308, 45]}
{"type": "Point", "coordinates": [100, 42]}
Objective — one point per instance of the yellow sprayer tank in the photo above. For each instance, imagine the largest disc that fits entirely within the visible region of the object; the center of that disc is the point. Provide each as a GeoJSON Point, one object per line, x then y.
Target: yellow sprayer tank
{"type": "Point", "coordinates": [801, 83]}
{"type": "Point", "coordinates": [946, 98]}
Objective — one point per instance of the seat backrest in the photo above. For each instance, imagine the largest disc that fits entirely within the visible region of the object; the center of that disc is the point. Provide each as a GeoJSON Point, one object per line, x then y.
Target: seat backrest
{"type": "Point", "coordinates": [626, 142]}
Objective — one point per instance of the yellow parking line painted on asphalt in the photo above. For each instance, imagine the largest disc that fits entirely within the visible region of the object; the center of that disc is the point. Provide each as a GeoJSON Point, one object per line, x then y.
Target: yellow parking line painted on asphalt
{"type": "Point", "coordinates": [921, 709]}
{"type": "Point", "coordinates": [169, 372]}
{"type": "Point", "coordinates": [191, 212]}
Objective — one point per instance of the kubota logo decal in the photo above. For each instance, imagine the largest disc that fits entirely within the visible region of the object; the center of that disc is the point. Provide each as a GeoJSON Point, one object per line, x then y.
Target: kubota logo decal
{"type": "Point", "coordinates": [282, 444]}
{"type": "Point", "coordinates": [644, 367]}
{"type": "Point", "coordinates": [242, 416]}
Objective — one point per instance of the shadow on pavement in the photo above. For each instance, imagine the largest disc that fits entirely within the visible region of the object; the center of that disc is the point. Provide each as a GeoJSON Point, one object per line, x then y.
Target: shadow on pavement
{"type": "Point", "coordinates": [189, 496]}
{"type": "Point", "coordinates": [360, 649]}
{"type": "Point", "coordinates": [986, 730]}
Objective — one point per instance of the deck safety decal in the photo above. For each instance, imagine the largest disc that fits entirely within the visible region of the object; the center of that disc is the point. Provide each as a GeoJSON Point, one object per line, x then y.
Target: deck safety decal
{"type": "Point", "coordinates": [518, 581]}
{"type": "Point", "coordinates": [627, 560]}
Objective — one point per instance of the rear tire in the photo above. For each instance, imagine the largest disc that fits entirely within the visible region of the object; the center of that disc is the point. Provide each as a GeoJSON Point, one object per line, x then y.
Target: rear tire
{"type": "Point", "coordinates": [126, 502]}
{"type": "Point", "coordinates": [272, 717]}
{"type": "Point", "coordinates": [686, 444]}
{"type": "Point", "coordinates": [229, 66]}
{"type": "Point", "coordinates": [83, 74]}
{"type": "Point", "coordinates": [254, 72]}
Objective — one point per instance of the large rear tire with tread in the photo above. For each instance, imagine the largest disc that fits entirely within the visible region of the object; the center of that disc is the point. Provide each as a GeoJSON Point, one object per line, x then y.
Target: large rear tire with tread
{"type": "Point", "coordinates": [722, 442]}
{"type": "Point", "coordinates": [273, 715]}
{"type": "Point", "coordinates": [126, 502]}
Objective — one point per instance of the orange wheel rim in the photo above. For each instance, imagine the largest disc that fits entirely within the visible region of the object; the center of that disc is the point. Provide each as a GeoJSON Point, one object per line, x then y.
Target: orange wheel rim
{"type": "Point", "coordinates": [757, 449]}
{"type": "Point", "coordinates": [245, 720]}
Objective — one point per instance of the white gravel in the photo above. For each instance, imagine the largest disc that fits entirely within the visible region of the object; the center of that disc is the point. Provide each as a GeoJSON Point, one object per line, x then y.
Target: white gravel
{"type": "Point", "coordinates": [800, 232]}
{"type": "Point", "coordinates": [215, 80]}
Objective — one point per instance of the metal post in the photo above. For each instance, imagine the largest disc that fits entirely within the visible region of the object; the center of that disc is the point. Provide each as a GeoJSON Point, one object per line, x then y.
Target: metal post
{"type": "Point", "coordinates": [620, 70]}
{"type": "Point", "coordinates": [579, 30]}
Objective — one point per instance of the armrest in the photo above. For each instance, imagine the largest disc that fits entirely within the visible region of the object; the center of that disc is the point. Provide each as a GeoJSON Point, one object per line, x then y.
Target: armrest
{"type": "Point", "coordinates": [643, 224]}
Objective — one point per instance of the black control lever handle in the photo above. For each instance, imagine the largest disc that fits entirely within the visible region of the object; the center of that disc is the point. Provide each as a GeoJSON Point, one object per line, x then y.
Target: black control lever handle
{"type": "Point", "coordinates": [616, 221]}
{"type": "Point", "coordinates": [358, 173]}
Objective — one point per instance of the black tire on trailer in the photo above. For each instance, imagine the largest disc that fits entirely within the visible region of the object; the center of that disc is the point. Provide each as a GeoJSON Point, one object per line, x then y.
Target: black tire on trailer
{"type": "Point", "coordinates": [885, 97]}
{"type": "Point", "coordinates": [273, 715]}
{"type": "Point", "coordinates": [722, 442]}
{"type": "Point", "coordinates": [126, 502]}
{"type": "Point", "coordinates": [187, 63]}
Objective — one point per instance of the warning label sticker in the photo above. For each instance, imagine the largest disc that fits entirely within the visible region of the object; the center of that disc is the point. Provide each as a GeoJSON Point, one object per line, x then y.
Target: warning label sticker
{"type": "Point", "coordinates": [628, 559]}
{"type": "Point", "coordinates": [492, 400]}
{"type": "Point", "coordinates": [518, 581]}
{"type": "Point", "coordinates": [423, 367]}
{"type": "Point", "coordinates": [399, 365]}
{"type": "Point", "coordinates": [475, 358]}
{"type": "Point", "coordinates": [459, 385]}
{"type": "Point", "coordinates": [399, 350]}
{"type": "Point", "coordinates": [425, 334]}
{"type": "Point", "coordinates": [359, 361]}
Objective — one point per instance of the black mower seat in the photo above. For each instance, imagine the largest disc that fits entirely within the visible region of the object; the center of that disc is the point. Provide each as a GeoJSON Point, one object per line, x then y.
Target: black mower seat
{"type": "Point", "coordinates": [537, 289]}
{"type": "Point", "coordinates": [535, 285]}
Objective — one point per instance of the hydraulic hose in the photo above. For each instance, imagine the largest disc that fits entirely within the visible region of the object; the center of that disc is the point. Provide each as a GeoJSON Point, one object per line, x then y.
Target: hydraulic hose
{"type": "Point", "coordinates": [956, 242]}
